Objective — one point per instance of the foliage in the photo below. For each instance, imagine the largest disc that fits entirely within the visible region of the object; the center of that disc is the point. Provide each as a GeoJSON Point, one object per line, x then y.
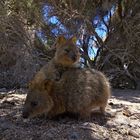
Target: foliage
{"type": "Point", "coordinates": [120, 58]}
{"type": "Point", "coordinates": [17, 62]}
{"type": "Point", "coordinates": [117, 48]}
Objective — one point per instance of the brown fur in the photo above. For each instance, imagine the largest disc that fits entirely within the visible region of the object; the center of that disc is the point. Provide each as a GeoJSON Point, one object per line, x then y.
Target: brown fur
{"type": "Point", "coordinates": [62, 87]}
{"type": "Point", "coordinates": [78, 91]}
{"type": "Point", "coordinates": [66, 56]}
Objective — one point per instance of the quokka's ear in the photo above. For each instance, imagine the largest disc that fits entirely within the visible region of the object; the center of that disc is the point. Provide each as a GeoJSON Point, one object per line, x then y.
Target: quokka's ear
{"type": "Point", "coordinates": [73, 39]}
{"type": "Point", "coordinates": [61, 40]}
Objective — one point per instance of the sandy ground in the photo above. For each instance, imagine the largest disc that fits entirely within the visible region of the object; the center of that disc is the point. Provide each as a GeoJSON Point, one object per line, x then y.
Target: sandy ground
{"type": "Point", "coordinates": [122, 121]}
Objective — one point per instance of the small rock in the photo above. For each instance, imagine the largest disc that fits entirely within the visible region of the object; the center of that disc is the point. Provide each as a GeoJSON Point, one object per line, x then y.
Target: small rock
{"type": "Point", "coordinates": [121, 120]}
{"type": "Point", "coordinates": [113, 114]}
{"type": "Point", "coordinates": [133, 133]}
{"type": "Point", "coordinates": [126, 112]}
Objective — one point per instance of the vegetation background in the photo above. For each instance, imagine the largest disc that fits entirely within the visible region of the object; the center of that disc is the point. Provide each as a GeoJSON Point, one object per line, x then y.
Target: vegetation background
{"type": "Point", "coordinates": [108, 36]}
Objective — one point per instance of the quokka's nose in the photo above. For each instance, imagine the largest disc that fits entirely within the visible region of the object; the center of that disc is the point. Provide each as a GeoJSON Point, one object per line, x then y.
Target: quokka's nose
{"type": "Point", "coordinates": [25, 115]}
{"type": "Point", "coordinates": [74, 57]}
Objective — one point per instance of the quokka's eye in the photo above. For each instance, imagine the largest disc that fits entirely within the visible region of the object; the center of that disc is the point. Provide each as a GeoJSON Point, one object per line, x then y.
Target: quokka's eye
{"type": "Point", "coordinates": [34, 103]}
{"type": "Point", "coordinates": [67, 51]}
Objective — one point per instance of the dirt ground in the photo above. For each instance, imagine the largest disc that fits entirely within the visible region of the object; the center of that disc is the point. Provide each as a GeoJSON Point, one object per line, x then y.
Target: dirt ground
{"type": "Point", "coordinates": [122, 121]}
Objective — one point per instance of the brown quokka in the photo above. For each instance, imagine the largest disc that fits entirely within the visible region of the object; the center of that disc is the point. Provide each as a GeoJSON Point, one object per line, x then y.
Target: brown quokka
{"type": "Point", "coordinates": [66, 56]}
{"type": "Point", "coordinates": [78, 91]}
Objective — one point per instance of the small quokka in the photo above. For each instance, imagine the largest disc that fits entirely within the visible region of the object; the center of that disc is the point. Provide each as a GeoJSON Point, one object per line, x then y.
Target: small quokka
{"type": "Point", "coordinates": [66, 56]}
{"type": "Point", "coordinates": [78, 91]}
